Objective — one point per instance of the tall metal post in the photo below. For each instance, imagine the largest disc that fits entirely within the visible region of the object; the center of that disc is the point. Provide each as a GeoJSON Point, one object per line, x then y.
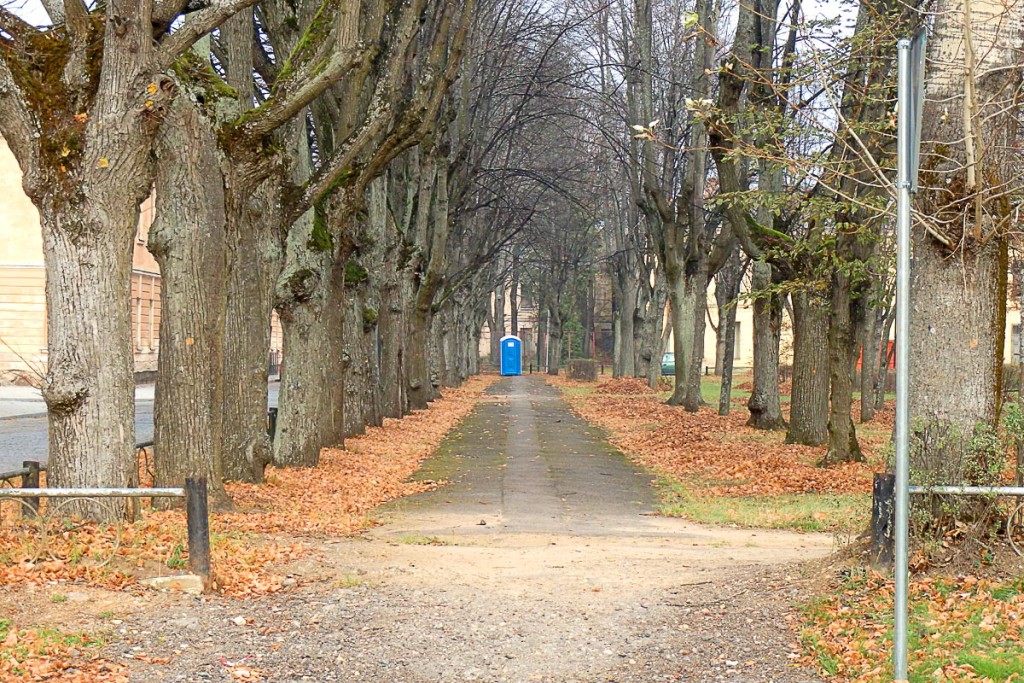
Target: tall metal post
{"type": "Point", "coordinates": [903, 177]}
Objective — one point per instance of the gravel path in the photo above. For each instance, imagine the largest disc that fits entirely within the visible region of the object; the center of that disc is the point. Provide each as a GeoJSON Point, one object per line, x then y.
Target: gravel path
{"type": "Point", "coordinates": [539, 562]}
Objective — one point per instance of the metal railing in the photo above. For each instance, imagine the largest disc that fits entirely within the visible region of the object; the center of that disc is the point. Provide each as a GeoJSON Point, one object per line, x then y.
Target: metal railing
{"type": "Point", "coordinates": [197, 515]}
{"type": "Point", "coordinates": [883, 508]}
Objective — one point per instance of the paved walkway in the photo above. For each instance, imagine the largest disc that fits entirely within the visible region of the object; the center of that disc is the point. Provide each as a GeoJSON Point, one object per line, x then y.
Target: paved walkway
{"type": "Point", "coordinates": [541, 561]}
{"type": "Point", "coordinates": [524, 463]}
{"type": "Point", "coordinates": [24, 429]}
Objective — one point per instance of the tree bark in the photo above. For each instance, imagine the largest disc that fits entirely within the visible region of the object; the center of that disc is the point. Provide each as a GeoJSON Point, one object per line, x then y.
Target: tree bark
{"type": "Point", "coordinates": [89, 387]}
{"type": "Point", "coordinates": [698, 283]}
{"type": "Point", "coordinates": [842, 351]}
{"type": "Point", "coordinates": [809, 401]}
{"type": "Point", "coordinates": [255, 258]}
{"type": "Point", "coordinates": [188, 240]}
{"type": "Point", "coordinates": [765, 408]}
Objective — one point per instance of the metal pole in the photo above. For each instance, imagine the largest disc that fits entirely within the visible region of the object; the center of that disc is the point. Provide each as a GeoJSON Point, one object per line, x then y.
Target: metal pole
{"type": "Point", "coordinates": [902, 361]}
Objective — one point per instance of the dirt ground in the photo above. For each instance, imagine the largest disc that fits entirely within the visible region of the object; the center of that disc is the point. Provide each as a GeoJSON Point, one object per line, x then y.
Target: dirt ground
{"type": "Point", "coordinates": [542, 560]}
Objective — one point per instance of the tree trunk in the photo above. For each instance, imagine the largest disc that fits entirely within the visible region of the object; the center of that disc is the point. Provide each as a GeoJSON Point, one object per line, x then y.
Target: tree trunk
{"type": "Point", "coordinates": [89, 387]}
{"type": "Point", "coordinates": [727, 290]}
{"type": "Point", "coordinates": [255, 260]}
{"type": "Point", "coordinates": [188, 240]}
{"type": "Point", "coordinates": [963, 351]}
{"type": "Point", "coordinates": [392, 328]}
{"type": "Point", "coordinates": [729, 359]}
{"type": "Point", "coordinates": [698, 284]}
{"type": "Point", "coordinates": [513, 294]}
{"type": "Point", "coordinates": [624, 364]}
{"type": "Point", "coordinates": [681, 310]}
{"type": "Point", "coordinates": [496, 324]}
{"type": "Point", "coordinates": [808, 410]}
{"type": "Point", "coordinates": [868, 343]}
{"type": "Point", "coordinates": [969, 172]}
{"type": "Point", "coordinates": [842, 352]}
{"type": "Point", "coordinates": [765, 408]}
{"type": "Point", "coordinates": [554, 340]}
{"type": "Point", "coordinates": [310, 303]}
{"type": "Point", "coordinates": [420, 388]}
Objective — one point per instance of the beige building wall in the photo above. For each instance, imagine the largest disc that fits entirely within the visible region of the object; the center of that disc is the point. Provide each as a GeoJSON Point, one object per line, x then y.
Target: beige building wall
{"type": "Point", "coordinates": [23, 285]}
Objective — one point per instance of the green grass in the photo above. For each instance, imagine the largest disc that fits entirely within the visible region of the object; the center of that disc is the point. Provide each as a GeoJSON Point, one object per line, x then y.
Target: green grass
{"type": "Point", "coordinates": [42, 641]}
{"type": "Point", "coordinates": [417, 539]}
{"type": "Point", "coordinates": [57, 597]}
{"type": "Point", "coordinates": [175, 561]}
{"type": "Point", "coordinates": [848, 513]}
{"type": "Point", "coordinates": [968, 630]}
{"type": "Point", "coordinates": [579, 392]}
{"type": "Point", "coordinates": [348, 581]}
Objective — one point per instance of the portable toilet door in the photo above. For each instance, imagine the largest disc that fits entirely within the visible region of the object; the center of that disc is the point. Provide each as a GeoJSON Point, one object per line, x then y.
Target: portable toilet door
{"type": "Point", "coordinates": [511, 355]}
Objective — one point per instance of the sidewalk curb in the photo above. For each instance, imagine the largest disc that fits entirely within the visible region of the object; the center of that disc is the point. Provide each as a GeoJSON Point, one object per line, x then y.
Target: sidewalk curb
{"type": "Point", "coordinates": [18, 417]}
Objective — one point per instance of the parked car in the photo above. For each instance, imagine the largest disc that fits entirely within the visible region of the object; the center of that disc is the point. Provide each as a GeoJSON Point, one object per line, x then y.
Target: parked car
{"type": "Point", "coordinates": [668, 364]}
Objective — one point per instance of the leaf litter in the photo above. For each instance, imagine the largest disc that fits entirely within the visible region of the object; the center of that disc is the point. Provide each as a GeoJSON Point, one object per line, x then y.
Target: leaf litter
{"type": "Point", "coordinates": [273, 524]}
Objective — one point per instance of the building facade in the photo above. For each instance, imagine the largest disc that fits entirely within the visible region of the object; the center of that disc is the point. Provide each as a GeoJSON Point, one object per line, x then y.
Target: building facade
{"type": "Point", "coordinates": [23, 286]}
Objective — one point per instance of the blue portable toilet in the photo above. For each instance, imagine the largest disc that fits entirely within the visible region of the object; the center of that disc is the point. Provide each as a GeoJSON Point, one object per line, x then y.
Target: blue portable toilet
{"type": "Point", "coordinates": [511, 355]}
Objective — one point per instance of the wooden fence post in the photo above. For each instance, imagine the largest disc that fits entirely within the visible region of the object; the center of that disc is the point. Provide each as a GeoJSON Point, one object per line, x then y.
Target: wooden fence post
{"type": "Point", "coordinates": [198, 520]}
{"type": "Point", "coordinates": [30, 481]}
{"type": "Point", "coordinates": [883, 506]}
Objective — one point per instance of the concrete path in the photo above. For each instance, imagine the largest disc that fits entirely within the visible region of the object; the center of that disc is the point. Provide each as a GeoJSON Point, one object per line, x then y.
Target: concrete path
{"type": "Point", "coordinates": [523, 463]}
{"type": "Point", "coordinates": [540, 562]}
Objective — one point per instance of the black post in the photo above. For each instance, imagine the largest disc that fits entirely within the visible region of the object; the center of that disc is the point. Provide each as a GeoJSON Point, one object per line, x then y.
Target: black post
{"type": "Point", "coordinates": [30, 480]}
{"type": "Point", "coordinates": [883, 507]}
{"type": "Point", "coordinates": [198, 520]}
{"type": "Point", "coordinates": [271, 422]}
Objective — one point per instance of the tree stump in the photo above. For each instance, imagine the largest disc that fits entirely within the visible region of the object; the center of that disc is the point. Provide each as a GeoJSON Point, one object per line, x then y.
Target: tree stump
{"type": "Point", "coordinates": [583, 369]}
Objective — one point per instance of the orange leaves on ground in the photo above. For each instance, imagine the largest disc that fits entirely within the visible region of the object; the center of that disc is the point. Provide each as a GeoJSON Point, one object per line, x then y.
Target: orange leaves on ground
{"type": "Point", "coordinates": [334, 497]}
{"type": "Point", "coordinates": [740, 461]}
{"type": "Point", "coordinates": [625, 386]}
{"type": "Point", "coordinates": [963, 629]}
{"type": "Point", "coordinates": [329, 500]}
{"type": "Point", "coordinates": [48, 655]}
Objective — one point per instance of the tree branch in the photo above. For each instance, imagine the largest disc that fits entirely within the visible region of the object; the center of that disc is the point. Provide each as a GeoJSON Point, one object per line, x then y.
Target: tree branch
{"type": "Point", "coordinates": [174, 45]}
{"type": "Point", "coordinates": [17, 27]}
{"type": "Point", "coordinates": [17, 125]}
{"type": "Point", "coordinates": [283, 105]}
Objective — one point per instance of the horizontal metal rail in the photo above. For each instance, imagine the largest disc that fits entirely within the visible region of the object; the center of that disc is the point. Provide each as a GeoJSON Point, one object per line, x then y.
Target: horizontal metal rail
{"type": "Point", "coordinates": [24, 471]}
{"type": "Point", "coordinates": [197, 515]}
{"type": "Point", "coordinates": [969, 490]}
{"type": "Point", "coordinates": [93, 493]}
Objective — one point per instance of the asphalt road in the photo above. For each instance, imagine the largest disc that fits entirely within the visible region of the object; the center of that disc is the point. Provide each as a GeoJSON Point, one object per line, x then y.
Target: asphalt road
{"type": "Point", "coordinates": [24, 437]}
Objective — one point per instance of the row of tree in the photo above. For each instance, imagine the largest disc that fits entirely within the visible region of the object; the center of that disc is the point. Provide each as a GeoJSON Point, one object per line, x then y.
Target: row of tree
{"type": "Point", "coordinates": [389, 175]}
{"type": "Point", "coordinates": [354, 165]}
{"type": "Point", "coordinates": [759, 139]}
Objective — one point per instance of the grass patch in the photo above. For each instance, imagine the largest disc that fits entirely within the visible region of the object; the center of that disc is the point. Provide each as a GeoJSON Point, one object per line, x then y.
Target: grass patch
{"type": "Point", "coordinates": [847, 513]}
{"type": "Point", "coordinates": [417, 539]}
{"type": "Point", "coordinates": [24, 649]}
{"type": "Point", "coordinates": [579, 391]}
{"type": "Point", "coordinates": [348, 581]}
{"type": "Point", "coordinates": [961, 628]}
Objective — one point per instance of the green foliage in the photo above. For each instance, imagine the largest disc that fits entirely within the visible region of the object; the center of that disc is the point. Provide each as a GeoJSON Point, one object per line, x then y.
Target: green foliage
{"type": "Point", "coordinates": [311, 42]}
{"type": "Point", "coordinates": [847, 513]}
{"type": "Point", "coordinates": [175, 561]}
{"type": "Point", "coordinates": [196, 71]}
